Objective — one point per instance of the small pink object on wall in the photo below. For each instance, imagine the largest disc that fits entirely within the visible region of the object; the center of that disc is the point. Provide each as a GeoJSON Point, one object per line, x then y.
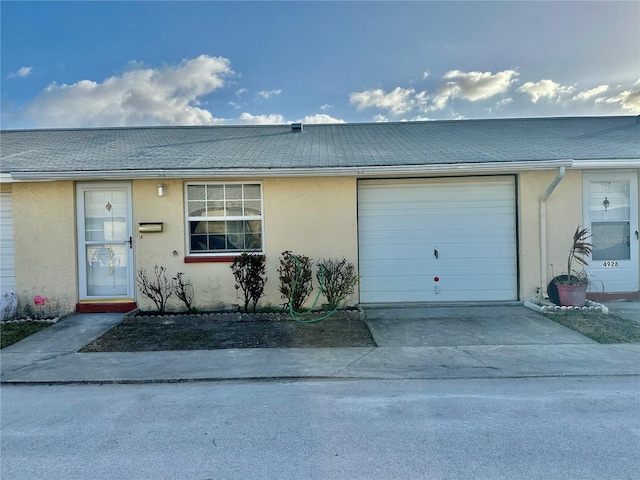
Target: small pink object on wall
{"type": "Point", "coordinates": [38, 300]}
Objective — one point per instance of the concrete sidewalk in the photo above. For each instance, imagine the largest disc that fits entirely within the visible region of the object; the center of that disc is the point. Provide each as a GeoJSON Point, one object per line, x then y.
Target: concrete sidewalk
{"type": "Point", "coordinates": [473, 342]}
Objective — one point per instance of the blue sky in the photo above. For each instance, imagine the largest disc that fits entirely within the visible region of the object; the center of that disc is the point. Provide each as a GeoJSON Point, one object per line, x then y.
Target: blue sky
{"type": "Point", "coordinates": [94, 64]}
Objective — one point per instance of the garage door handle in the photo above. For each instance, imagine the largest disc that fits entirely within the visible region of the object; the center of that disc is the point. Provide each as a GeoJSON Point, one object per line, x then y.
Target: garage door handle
{"type": "Point", "coordinates": [435, 253]}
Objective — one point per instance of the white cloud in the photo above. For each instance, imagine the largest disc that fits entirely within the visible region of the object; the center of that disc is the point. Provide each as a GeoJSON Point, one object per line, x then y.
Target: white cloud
{"type": "Point", "coordinates": [380, 118]}
{"type": "Point", "coordinates": [320, 118]}
{"type": "Point", "coordinates": [456, 116]}
{"type": "Point", "coordinates": [544, 88]}
{"type": "Point", "coordinates": [398, 101]}
{"type": "Point", "coordinates": [326, 107]}
{"type": "Point", "coordinates": [628, 100]}
{"type": "Point", "coordinates": [592, 92]}
{"type": "Point", "coordinates": [472, 86]}
{"type": "Point", "coordinates": [240, 91]}
{"type": "Point", "coordinates": [500, 104]}
{"type": "Point", "coordinates": [277, 119]}
{"type": "Point", "coordinates": [164, 96]}
{"type": "Point", "coordinates": [248, 119]}
{"type": "Point", "coordinates": [21, 72]}
{"type": "Point", "coordinates": [270, 93]}
{"type": "Point", "coordinates": [426, 74]}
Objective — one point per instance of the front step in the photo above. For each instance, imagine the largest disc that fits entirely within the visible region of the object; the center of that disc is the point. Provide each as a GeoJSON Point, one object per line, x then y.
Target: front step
{"type": "Point", "coordinates": [607, 297]}
{"type": "Point", "coordinates": [106, 306]}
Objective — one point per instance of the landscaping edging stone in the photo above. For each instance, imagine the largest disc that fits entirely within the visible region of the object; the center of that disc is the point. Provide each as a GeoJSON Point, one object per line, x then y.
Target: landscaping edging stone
{"type": "Point", "coordinates": [30, 320]}
{"type": "Point", "coordinates": [590, 307]}
{"type": "Point", "coordinates": [50, 320]}
{"type": "Point", "coordinates": [172, 317]}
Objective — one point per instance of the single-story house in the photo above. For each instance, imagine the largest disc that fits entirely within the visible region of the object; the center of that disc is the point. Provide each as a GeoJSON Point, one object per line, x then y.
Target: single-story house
{"type": "Point", "coordinates": [436, 211]}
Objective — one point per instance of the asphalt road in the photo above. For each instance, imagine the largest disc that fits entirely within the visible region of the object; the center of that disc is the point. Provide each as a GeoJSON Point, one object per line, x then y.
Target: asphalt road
{"type": "Point", "coordinates": [547, 428]}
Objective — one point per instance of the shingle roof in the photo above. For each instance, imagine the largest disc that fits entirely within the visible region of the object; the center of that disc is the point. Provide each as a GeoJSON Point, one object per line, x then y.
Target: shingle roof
{"type": "Point", "coordinates": [319, 146]}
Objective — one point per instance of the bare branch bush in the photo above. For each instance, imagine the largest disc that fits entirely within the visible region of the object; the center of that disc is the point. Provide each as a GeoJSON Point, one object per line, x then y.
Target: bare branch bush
{"type": "Point", "coordinates": [158, 289]}
{"type": "Point", "coordinates": [183, 290]}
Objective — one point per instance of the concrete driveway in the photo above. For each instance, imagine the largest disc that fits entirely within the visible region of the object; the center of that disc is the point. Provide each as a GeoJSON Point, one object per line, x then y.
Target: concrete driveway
{"type": "Point", "coordinates": [433, 326]}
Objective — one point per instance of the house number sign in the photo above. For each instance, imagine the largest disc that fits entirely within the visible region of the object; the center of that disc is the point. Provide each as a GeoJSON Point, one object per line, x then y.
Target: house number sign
{"type": "Point", "coordinates": [610, 264]}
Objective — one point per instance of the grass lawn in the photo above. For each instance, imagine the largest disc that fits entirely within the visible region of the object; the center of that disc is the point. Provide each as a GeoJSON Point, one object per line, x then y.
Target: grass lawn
{"type": "Point", "coordinates": [11, 333]}
{"type": "Point", "coordinates": [600, 327]}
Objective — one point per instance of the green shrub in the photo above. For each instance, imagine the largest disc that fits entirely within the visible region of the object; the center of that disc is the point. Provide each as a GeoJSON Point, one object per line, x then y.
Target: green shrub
{"type": "Point", "coordinates": [296, 280]}
{"type": "Point", "coordinates": [249, 270]}
{"type": "Point", "coordinates": [338, 279]}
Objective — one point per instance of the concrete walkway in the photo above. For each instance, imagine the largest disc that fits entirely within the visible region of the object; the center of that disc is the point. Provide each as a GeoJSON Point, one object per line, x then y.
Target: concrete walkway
{"type": "Point", "coordinates": [426, 343]}
{"type": "Point", "coordinates": [626, 309]}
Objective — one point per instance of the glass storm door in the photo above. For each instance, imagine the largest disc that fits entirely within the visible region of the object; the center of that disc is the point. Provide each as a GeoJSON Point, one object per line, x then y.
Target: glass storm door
{"type": "Point", "coordinates": [611, 214]}
{"type": "Point", "coordinates": [105, 241]}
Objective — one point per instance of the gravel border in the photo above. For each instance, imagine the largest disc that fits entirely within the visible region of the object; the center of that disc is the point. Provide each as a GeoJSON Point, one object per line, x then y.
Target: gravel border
{"type": "Point", "coordinates": [590, 307]}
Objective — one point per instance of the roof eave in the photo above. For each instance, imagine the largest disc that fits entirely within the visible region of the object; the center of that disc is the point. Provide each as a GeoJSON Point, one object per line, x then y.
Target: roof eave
{"type": "Point", "coordinates": [608, 163]}
{"type": "Point", "coordinates": [400, 170]}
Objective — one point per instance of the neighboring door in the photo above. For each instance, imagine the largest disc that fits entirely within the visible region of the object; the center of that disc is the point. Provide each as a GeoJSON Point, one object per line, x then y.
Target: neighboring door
{"type": "Point", "coordinates": [7, 259]}
{"type": "Point", "coordinates": [105, 241]}
{"type": "Point", "coordinates": [611, 214]}
{"type": "Point", "coordinates": [437, 240]}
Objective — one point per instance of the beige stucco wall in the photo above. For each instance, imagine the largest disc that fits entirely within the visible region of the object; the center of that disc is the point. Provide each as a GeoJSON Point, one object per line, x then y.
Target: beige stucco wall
{"type": "Point", "coordinates": [310, 216]}
{"type": "Point", "coordinates": [45, 241]}
{"type": "Point", "coordinates": [157, 248]}
{"type": "Point", "coordinates": [563, 215]}
{"type": "Point", "coordinates": [316, 217]}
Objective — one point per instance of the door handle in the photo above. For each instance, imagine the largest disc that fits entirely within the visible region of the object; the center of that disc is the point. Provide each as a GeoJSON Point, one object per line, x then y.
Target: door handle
{"type": "Point", "coordinates": [130, 242]}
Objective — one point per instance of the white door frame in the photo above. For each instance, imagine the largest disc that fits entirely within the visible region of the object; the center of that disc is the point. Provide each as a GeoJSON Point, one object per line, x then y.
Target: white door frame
{"type": "Point", "coordinates": [614, 275]}
{"type": "Point", "coordinates": [125, 238]}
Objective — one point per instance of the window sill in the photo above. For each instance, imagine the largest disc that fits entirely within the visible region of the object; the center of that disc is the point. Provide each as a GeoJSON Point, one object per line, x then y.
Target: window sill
{"type": "Point", "coordinates": [217, 259]}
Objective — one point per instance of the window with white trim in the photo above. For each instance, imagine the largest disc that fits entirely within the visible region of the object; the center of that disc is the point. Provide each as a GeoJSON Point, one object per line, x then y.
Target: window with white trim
{"type": "Point", "coordinates": [224, 217]}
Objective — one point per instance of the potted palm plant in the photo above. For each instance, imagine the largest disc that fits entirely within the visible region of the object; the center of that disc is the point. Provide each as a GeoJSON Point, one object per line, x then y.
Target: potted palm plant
{"type": "Point", "coordinates": [572, 287]}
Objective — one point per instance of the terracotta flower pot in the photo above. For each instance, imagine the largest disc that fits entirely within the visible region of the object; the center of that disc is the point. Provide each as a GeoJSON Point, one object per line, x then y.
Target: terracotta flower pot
{"type": "Point", "coordinates": [572, 295]}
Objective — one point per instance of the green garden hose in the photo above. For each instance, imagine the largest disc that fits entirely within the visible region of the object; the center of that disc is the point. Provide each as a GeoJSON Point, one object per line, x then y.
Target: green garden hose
{"type": "Point", "coordinates": [297, 316]}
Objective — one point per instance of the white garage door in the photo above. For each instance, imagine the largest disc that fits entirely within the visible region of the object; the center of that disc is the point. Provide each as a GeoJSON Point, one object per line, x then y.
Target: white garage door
{"type": "Point", "coordinates": [7, 263]}
{"type": "Point", "coordinates": [437, 240]}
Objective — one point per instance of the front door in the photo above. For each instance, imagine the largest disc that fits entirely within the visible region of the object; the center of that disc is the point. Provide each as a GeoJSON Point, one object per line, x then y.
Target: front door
{"type": "Point", "coordinates": [105, 241]}
{"type": "Point", "coordinates": [611, 214]}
